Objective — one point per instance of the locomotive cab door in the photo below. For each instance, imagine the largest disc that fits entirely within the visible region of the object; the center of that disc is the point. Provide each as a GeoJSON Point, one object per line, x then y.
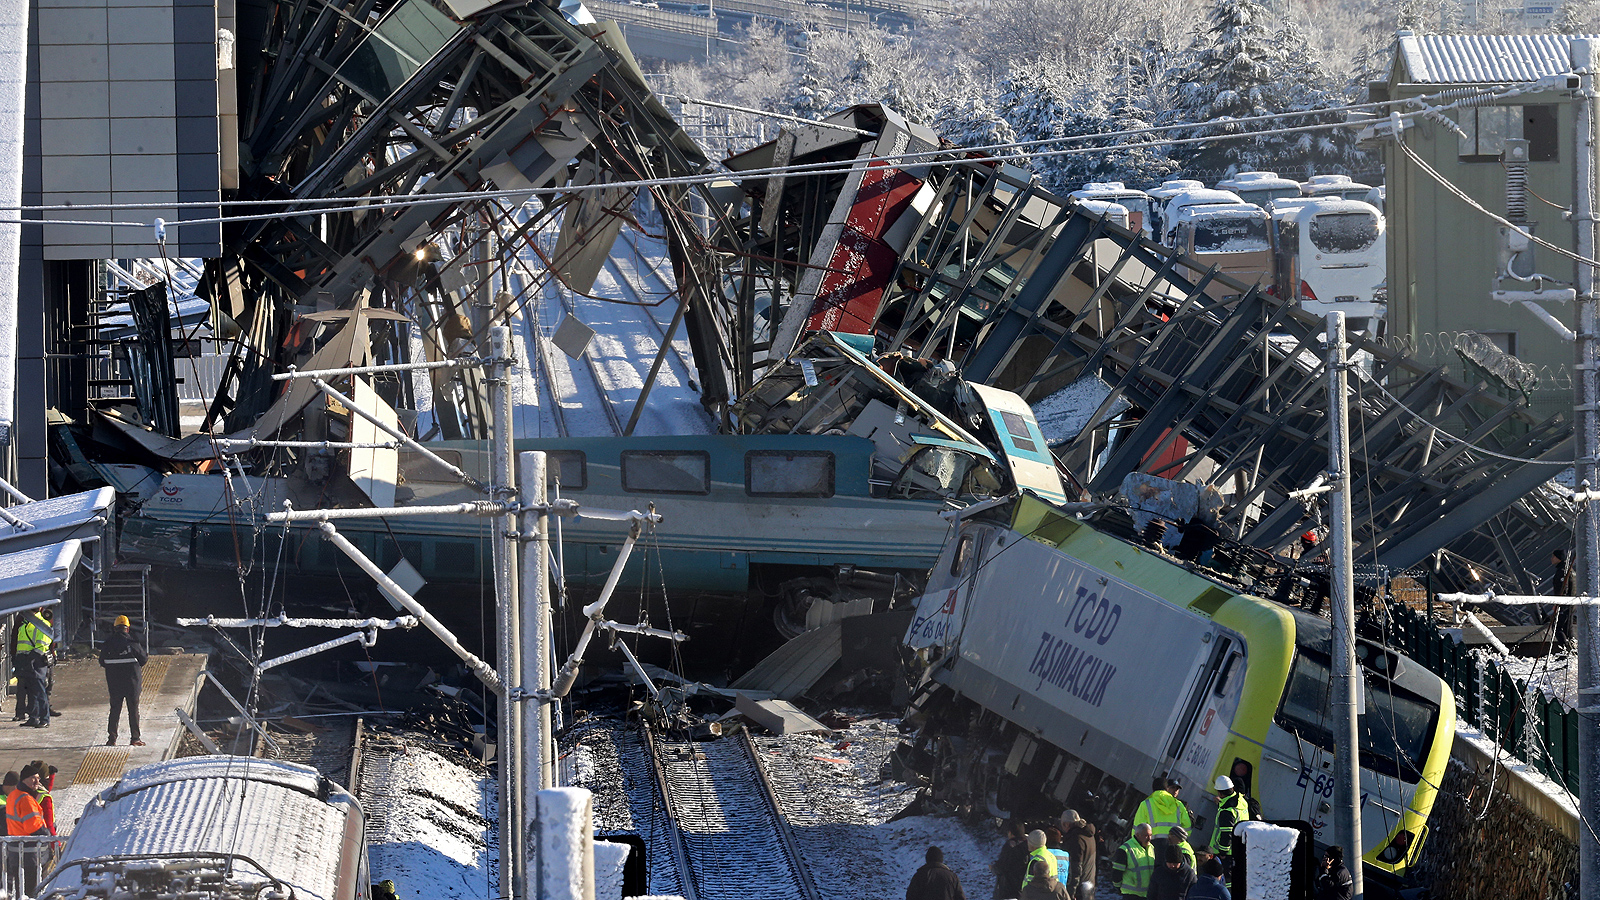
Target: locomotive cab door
{"type": "Point", "coordinates": [1200, 731]}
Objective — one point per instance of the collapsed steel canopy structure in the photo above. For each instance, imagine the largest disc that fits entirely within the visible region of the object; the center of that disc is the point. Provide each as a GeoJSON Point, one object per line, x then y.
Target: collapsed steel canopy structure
{"type": "Point", "coordinates": [344, 107]}
{"type": "Point", "coordinates": [1198, 377]}
{"type": "Point", "coordinates": [347, 109]}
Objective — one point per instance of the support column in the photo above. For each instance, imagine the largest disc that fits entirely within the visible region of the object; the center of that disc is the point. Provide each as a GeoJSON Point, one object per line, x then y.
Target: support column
{"type": "Point", "coordinates": [508, 621]}
{"type": "Point", "coordinates": [1346, 677]}
{"type": "Point", "coordinates": [1586, 393]}
{"type": "Point", "coordinates": [538, 749]}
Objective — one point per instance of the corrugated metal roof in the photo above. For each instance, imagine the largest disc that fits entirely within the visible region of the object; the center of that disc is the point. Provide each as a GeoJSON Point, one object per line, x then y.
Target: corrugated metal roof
{"type": "Point", "coordinates": [265, 810]}
{"type": "Point", "coordinates": [57, 518]}
{"type": "Point", "coordinates": [37, 576]}
{"type": "Point", "coordinates": [1483, 58]}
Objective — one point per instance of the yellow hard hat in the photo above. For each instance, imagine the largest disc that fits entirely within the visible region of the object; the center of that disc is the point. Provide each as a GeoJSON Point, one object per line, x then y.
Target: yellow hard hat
{"type": "Point", "coordinates": [121, 621]}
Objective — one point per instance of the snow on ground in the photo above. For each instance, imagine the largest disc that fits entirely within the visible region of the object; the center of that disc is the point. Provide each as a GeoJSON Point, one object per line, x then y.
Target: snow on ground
{"type": "Point", "coordinates": [839, 806]}
{"type": "Point", "coordinates": [833, 797]}
{"type": "Point", "coordinates": [431, 824]}
{"type": "Point", "coordinates": [1556, 674]}
{"type": "Point", "coordinates": [589, 759]}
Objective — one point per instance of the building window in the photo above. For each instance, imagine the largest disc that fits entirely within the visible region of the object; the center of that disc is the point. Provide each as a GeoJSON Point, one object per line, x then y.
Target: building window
{"type": "Point", "coordinates": [788, 473]}
{"type": "Point", "coordinates": [666, 472]}
{"type": "Point", "coordinates": [1486, 129]}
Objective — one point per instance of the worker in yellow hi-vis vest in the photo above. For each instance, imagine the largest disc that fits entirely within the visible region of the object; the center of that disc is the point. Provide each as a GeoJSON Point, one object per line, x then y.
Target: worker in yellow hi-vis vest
{"type": "Point", "coordinates": [1162, 810]}
{"type": "Point", "coordinates": [35, 641]}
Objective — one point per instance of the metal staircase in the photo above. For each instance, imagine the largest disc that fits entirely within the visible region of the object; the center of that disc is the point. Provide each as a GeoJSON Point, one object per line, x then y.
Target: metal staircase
{"type": "Point", "coordinates": [126, 592]}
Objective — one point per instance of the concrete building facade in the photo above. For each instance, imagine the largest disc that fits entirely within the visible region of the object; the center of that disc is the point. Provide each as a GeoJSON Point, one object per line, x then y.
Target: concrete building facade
{"type": "Point", "coordinates": [128, 101]}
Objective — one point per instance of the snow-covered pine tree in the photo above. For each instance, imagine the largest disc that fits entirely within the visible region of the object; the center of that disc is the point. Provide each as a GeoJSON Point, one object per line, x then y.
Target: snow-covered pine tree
{"type": "Point", "coordinates": [1577, 17]}
{"type": "Point", "coordinates": [1246, 64]}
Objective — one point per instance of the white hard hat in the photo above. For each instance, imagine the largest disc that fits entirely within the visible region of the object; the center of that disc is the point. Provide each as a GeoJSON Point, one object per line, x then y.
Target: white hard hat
{"type": "Point", "coordinates": [1224, 783]}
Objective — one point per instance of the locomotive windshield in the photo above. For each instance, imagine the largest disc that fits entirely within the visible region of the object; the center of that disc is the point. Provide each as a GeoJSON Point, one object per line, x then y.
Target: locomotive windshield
{"type": "Point", "coordinates": [1395, 729]}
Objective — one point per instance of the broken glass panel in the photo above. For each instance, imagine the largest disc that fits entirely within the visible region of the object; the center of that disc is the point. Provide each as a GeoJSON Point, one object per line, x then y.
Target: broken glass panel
{"type": "Point", "coordinates": [397, 48]}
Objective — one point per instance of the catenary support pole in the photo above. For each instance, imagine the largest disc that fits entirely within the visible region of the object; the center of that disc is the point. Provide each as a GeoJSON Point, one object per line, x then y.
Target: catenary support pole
{"type": "Point", "coordinates": [1585, 396]}
{"type": "Point", "coordinates": [409, 603]}
{"type": "Point", "coordinates": [1346, 677]}
{"type": "Point", "coordinates": [538, 659]}
{"type": "Point", "coordinates": [508, 621]}
{"type": "Point", "coordinates": [538, 750]}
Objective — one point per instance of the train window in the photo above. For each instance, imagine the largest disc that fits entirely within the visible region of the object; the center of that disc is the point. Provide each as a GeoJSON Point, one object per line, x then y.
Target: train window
{"type": "Point", "coordinates": [1344, 232]}
{"type": "Point", "coordinates": [788, 473]}
{"type": "Point", "coordinates": [1396, 730]}
{"type": "Point", "coordinates": [933, 472]}
{"type": "Point", "coordinates": [1226, 678]}
{"type": "Point", "coordinates": [418, 467]}
{"type": "Point", "coordinates": [666, 471]}
{"type": "Point", "coordinates": [1398, 724]}
{"type": "Point", "coordinates": [1017, 427]}
{"type": "Point", "coordinates": [964, 553]}
{"type": "Point", "coordinates": [567, 466]}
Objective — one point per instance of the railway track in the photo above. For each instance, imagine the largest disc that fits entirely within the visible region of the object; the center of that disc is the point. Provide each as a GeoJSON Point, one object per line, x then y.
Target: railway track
{"type": "Point", "coordinates": [726, 831]}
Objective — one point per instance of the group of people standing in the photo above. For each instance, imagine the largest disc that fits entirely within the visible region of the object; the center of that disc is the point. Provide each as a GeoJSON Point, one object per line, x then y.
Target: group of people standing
{"type": "Point", "coordinates": [1156, 862]}
{"type": "Point", "coordinates": [30, 812]}
{"type": "Point", "coordinates": [1059, 861]}
{"type": "Point", "coordinates": [1055, 861]}
{"type": "Point", "coordinates": [33, 652]}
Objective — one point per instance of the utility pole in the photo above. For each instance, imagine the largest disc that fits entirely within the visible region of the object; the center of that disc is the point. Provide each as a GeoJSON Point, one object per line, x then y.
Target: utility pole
{"type": "Point", "coordinates": [537, 662]}
{"type": "Point", "coordinates": [1341, 569]}
{"type": "Point", "coordinates": [508, 621]}
{"type": "Point", "coordinates": [1585, 396]}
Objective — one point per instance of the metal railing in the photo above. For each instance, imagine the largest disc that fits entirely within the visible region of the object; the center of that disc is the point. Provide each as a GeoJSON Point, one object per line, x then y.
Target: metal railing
{"type": "Point", "coordinates": [666, 20]}
{"type": "Point", "coordinates": [1522, 720]}
{"type": "Point", "coordinates": [24, 862]}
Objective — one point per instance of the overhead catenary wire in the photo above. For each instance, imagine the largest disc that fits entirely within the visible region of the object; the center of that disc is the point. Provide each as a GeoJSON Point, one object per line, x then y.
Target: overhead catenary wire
{"type": "Point", "coordinates": [1466, 198]}
{"type": "Point", "coordinates": [989, 153]}
{"type": "Point", "coordinates": [1474, 97]}
{"type": "Point", "coordinates": [828, 168]}
{"type": "Point", "coordinates": [1428, 423]}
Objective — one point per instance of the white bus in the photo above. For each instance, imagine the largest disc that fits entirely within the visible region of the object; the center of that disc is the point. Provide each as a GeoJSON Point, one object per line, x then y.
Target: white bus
{"type": "Point", "coordinates": [1335, 186]}
{"type": "Point", "coordinates": [1260, 188]}
{"type": "Point", "coordinates": [1136, 202]}
{"type": "Point", "coordinates": [1110, 209]}
{"type": "Point", "coordinates": [1179, 202]}
{"type": "Point", "coordinates": [1330, 256]}
{"type": "Point", "coordinates": [1159, 197]}
{"type": "Point", "coordinates": [1234, 237]}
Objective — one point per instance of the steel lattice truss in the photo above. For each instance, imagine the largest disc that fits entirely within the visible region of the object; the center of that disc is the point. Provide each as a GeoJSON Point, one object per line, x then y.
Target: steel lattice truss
{"type": "Point", "coordinates": [1226, 383]}
{"type": "Point", "coordinates": [368, 101]}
